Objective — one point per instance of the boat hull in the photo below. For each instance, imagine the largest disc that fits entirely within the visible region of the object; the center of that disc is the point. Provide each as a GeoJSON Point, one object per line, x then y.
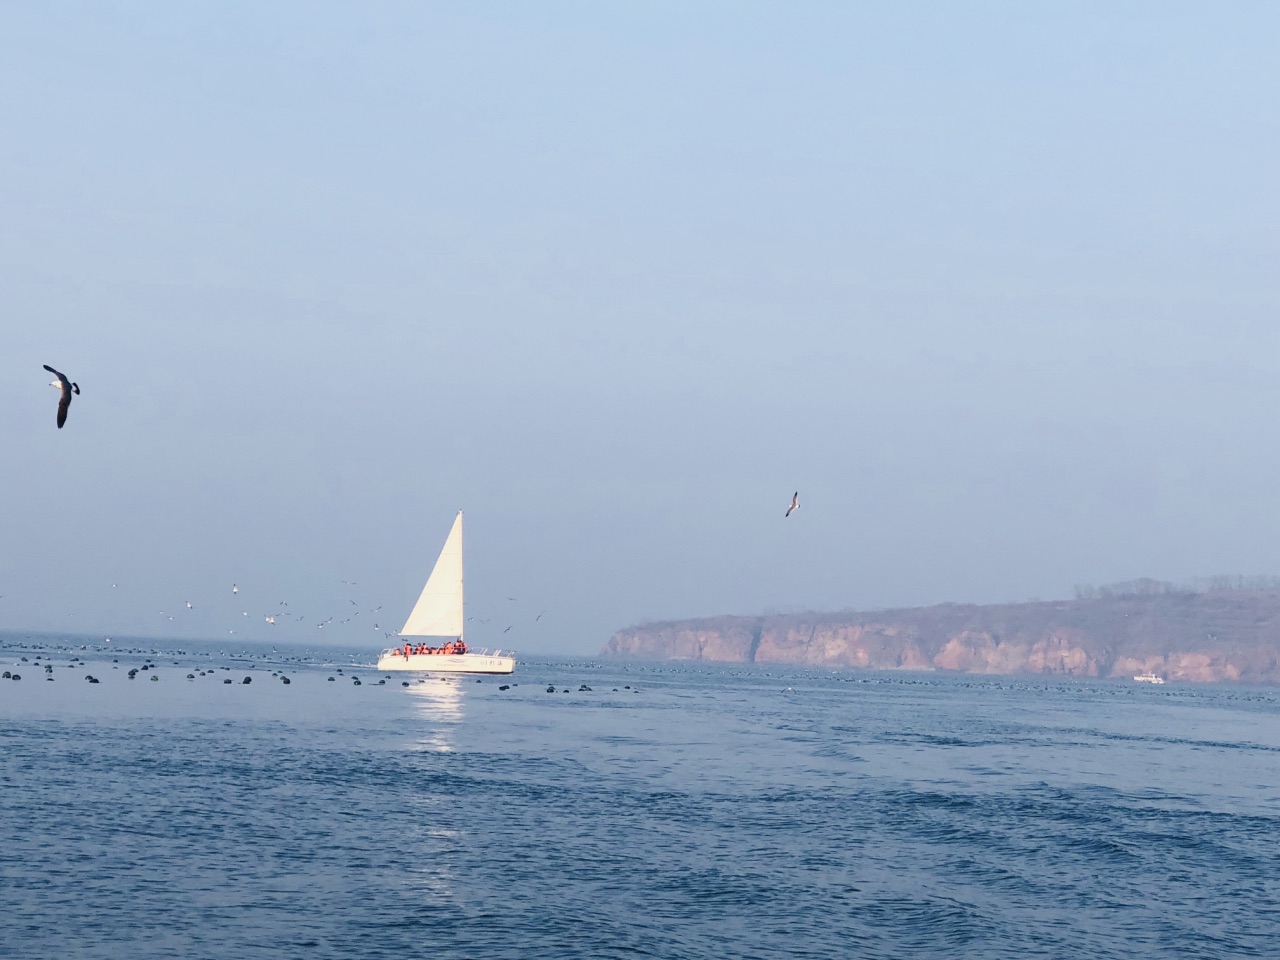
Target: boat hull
{"type": "Point", "coordinates": [447, 662]}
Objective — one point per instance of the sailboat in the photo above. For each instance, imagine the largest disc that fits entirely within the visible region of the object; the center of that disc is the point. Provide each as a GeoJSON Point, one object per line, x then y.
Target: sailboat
{"type": "Point", "coordinates": [438, 614]}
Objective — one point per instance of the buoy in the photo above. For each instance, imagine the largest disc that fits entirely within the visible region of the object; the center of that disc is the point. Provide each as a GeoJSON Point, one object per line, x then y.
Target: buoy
{"type": "Point", "coordinates": [355, 683]}
{"type": "Point", "coordinates": [93, 680]}
{"type": "Point", "coordinates": [584, 689]}
{"type": "Point", "coordinates": [8, 675]}
{"type": "Point", "coordinates": [227, 680]}
{"type": "Point", "coordinates": [192, 676]}
{"type": "Point", "coordinates": [247, 680]}
{"type": "Point", "coordinates": [403, 683]}
{"type": "Point", "coordinates": [551, 689]}
{"type": "Point", "coordinates": [285, 680]}
{"type": "Point", "coordinates": [505, 686]}
{"type": "Point", "coordinates": [332, 680]}
{"type": "Point", "coordinates": [155, 678]}
{"type": "Point", "coordinates": [18, 676]}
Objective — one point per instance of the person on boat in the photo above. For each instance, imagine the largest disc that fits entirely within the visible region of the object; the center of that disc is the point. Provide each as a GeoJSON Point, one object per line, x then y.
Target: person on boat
{"type": "Point", "coordinates": [461, 647]}
{"type": "Point", "coordinates": [406, 651]}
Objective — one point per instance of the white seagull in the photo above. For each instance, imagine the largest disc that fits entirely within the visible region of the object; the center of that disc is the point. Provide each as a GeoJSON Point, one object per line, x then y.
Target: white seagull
{"type": "Point", "coordinates": [67, 388]}
{"type": "Point", "coordinates": [795, 504]}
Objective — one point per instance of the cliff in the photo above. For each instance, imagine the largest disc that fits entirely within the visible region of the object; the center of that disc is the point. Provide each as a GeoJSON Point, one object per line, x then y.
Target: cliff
{"type": "Point", "coordinates": [1231, 635]}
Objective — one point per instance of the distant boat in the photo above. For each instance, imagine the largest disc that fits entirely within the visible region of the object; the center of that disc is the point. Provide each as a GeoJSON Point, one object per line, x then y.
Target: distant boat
{"type": "Point", "coordinates": [1148, 678]}
{"type": "Point", "coordinates": [438, 615]}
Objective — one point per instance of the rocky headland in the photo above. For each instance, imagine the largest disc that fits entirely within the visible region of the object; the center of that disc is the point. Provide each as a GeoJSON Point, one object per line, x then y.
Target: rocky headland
{"type": "Point", "coordinates": [1203, 636]}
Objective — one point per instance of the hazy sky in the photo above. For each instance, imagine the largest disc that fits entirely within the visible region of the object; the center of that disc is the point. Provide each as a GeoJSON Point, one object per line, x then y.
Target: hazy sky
{"type": "Point", "coordinates": [993, 285]}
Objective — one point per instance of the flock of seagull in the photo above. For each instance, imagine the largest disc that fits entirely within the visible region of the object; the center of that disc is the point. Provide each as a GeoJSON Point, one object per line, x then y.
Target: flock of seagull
{"type": "Point", "coordinates": [283, 614]}
{"type": "Point", "coordinates": [67, 389]}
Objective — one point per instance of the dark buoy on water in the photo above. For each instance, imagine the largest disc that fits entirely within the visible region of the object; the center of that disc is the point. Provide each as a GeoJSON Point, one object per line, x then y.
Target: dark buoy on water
{"type": "Point", "coordinates": [247, 680]}
{"type": "Point", "coordinates": [505, 686]}
{"type": "Point", "coordinates": [191, 676]}
{"type": "Point", "coordinates": [551, 689]}
{"type": "Point", "coordinates": [332, 680]}
{"type": "Point", "coordinates": [154, 678]}
{"type": "Point", "coordinates": [285, 680]}
{"type": "Point", "coordinates": [227, 680]}
{"type": "Point", "coordinates": [94, 680]}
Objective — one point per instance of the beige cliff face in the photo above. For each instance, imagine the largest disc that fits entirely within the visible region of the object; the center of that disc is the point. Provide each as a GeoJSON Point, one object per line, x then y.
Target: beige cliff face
{"type": "Point", "coordinates": [1224, 636]}
{"type": "Point", "coordinates": [1063, 653]}
{"type": "Point", "coordinates": [1199, 667]}
{"type": "Point", "coordinates": [871, 645]}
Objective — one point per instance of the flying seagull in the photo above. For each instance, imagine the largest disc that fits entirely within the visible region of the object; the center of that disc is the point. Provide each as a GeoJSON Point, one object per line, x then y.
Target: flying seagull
{"type": "Point", "coordinates": [795, 504]}
{"type": "Point", "coordinates": [67, 388]}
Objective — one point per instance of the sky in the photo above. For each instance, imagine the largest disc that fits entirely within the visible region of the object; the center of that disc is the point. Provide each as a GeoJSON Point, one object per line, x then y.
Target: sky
{"type": "Point", "coordinates": [994, 286]}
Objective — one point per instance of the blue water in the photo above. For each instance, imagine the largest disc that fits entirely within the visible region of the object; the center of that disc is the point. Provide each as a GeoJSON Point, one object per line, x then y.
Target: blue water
{"type": "Point", "coordinates": [671, 810]}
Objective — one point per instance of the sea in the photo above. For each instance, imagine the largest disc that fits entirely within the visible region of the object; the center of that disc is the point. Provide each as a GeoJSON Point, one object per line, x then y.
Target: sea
{"type": "Point", "coordinates": [203, 807]}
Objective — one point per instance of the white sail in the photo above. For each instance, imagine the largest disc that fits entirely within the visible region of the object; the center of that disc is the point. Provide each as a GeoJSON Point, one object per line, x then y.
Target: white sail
{"type": "Point", "coordinates": [438, 612]}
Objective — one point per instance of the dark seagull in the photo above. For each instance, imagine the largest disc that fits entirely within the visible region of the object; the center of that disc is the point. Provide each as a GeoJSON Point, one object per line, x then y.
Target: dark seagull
{"type": "Point", "coordinates": [795, 504]}
{"type": "Point", "coordinates": [67, 388]}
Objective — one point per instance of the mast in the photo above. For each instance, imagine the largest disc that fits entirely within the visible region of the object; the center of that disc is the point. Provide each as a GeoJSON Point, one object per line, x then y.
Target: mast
{"type": "Point", "coordinates": [462, 593]}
